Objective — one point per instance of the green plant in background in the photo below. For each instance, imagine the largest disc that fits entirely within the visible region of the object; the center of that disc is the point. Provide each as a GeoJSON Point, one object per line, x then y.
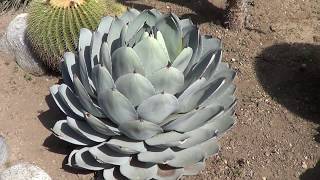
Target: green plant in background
{"type": "Point", "coordinates": [6, 5]}
{"type": "Point", "coordinates": [145, 96]}
{"type": "Point", "coordinates": [53, 26]}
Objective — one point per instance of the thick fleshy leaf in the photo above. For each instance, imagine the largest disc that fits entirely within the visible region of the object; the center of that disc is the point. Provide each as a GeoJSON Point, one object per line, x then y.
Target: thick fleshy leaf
{"type": "Point", "coordinates": [82, 128]}
{"type": "Point", "coordinates": [168, 139]}
{"type": "Point", "coordinates": [156, 156]}
{"type": "Point", "coordinates": [85, 160]}
{"type": "Point", "coordinates": [162, 43]}
{"type": "Point", "coordinates": [85, 99]}
{"type": "Point", "coordinates": [193, 39]}
{"type": "Point", "coordinates": [103, 154]}
{"type": "Point", "coordinates": [156, 108]}
{"type": "Point", "coordinates": [137, 170]}
{"type": "Point", "coordinates": [198, 70]}
{"type": "Point", "coordinates": [84, 39]}
{"type": "Point", "coordinates": [84, 73]}
{"type": "Point", "coordinates": [209, 43]}
{"type": "Point", "coordinates": [102, 79]}
{"type": "Point", "coordinates": [114, 34]}
{"type": "Point", "coordinates": [151, 55]}
{"type": "Point", "coordinates": [168, 80]}
{"type": "Point", "coordinates": [70, 100]}
{"type": "Point", "coordinates": [129, 15]}
{"type": "Point", "coordinates": [105, 24]}
{"type": "Point", "coordinates": [71, 159]}
{"type": "Point", "coordinates": [58, 100]}
{"type": "Point", "coordinates": [64, 132]}
{"type": "Point", "coordinates": [123, 35]}
{"type": "Point", "coordinates": [70, 61]}
{"type": "Point", "coordinates": [172, 35]}
{"type": "Point", "coordinates": [65, 74]}
{"type": "Point", "coordinates": [95, 48]}
{"type": "Point", "coordinates": [183, 59]}
{"type": "Point", "coordinates": [166, 172]}
{"type": "Point", "coordinates": [194, 119]}
{"type": "Point", "coordinates": [187, 98]}
{"type": "Point", "coordinates": [103, 127]}
{"type": "Point", "coordinates": [195, 154]}
{"type": "Point", "coordinates": [135, 87]}
{"type": "Point", "coordinates": [125, 145]}
{"type": "Point", "coordinates": [125, 60]}
{"type": "Point", "coordinates": [197, 136]}
{"type": "Point", "coordinates": [106, 57]}
{"type": "Point", "coordinates": [139, 129]}
{"type": "Point", "coordinates": [116, 106]}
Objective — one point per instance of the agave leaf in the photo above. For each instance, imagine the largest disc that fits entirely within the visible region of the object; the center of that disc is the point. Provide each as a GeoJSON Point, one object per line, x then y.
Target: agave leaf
{"type": "Point", "coordinates": [156, 108]}
{"type": "Point", "coordinates": [129, 15]}
{"type": "Point", "coordinates": [106, 57]}
{"type": "Point", "coordinates": [84, 74]}
{"type": "Point", "coordinates": [125, 145]}
{"type": "Point", "coordinates": [168, 80]}
{"type": "Point", "coordinates": [103, 154]}
{"type": "Point", "coordinates": [212, 67]}
{"type": "Point", "coordinates": [194, 169]}
{"type": "Point", "coordinates": [161, 41]}
{"type": "Point", "coordinates": [209, 43]}
{"type": "Point", "coordinates": [95, 48]}
{"type": "Point", "coordinates": [135, 87]}
{"type": "Point", "coordinates": [85, 160]}
{"type": "Point", "coordinates": [197, 136]}
{"type": "Point", "coordinates": [109, 174]}
{"type": "Point", "coordinates": [114, 34]}
{"type": "Point", "coordinates": [193, 39]}
{"type": "Point", "coordinates": [197, 71]}
{"type": "Point", "coordinates": [193, 92]}
{"type": "Point", "coordinates": [70, 61]}
{"type": "Point", "coordinates": [116, 106]}
{"type": "Point", "coordinates": [172, 35]}
{"type": "Point", "coordinates": [102, 79]}
{"type": "Point", "coordinates": [103, 127]}
{"type": "Point", "coordinates": [138, 170]}
{"type": "Point", "coordinates": [65, 74]}
{"type": "Point", "coordinates": [159, 157]}
{"type": "Point", "coordinates": [186, 157]}
{"type": "Point", "coordinates": [183, 59]}
{"type": "Point", "coordinates": [186, 26]}
{"type": "Point", "coordinates": [137, 37]}
{"type": "Point", "coordinates": [85, 99]}
{"type": "Point", "coordinates": [64, 132]}
{"type": "Point", "coordinates": [169, 173]}
{"type": "Point", "coordinates": [194, 96]}
{"type": "Point", "coordinates": [209, 147]}
{"type": "Point", "coordinates": [194, 119]}
{"type": "Point", "coordinates": [84, 39]}
{"type": "Point", "coordinates": [71, 159]}
{"type": "Point", "coordinates": [125, 60]}
{"type": "Point", "coordinates": [86, 131]}
{"type": "Point", "coordinates": [151, 55]}
{"type": "Point", "coordinates": [105, 25]}
{"type": "Point", "coordinates": [70, 100]}
{"type": "Point", "coordinates": [140, 129]}
{"type": "Point", "coordinates": [58, 100]}
{"type": "Point", "coordinates": [168, 139]}
{"type": "Point", "coordinates": [123, 35]}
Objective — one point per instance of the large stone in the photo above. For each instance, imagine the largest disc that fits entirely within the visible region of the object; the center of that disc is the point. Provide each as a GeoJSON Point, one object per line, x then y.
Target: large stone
{"type": "Point", "coordinates": [17, 44]}
{"type": "Point", "coordinates": [3, 151]}
{"type": "Point", "coordinates": [24, 171]}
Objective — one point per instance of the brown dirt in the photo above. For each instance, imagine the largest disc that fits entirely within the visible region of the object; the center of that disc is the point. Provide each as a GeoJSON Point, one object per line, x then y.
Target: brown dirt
{"type": "Point", "coordinates": [277, 58]}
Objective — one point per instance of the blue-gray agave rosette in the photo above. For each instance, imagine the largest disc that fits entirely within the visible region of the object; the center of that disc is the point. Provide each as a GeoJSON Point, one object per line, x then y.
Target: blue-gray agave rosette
{"type": "Point", "coordinates": [145, 97]}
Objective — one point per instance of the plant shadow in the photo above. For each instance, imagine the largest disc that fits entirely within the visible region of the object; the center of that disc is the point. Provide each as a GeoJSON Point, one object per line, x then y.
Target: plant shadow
{"type": "Point", "coordinates": [290, 74]}
{"type": "Point", "coordinates": [312, 173]}
{"type": "Point", "coordinates": [204, 10]}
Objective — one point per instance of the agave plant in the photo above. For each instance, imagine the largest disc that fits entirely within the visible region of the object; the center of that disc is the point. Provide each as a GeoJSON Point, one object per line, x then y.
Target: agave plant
{"type": "Point", "coordinates": [145, 97]}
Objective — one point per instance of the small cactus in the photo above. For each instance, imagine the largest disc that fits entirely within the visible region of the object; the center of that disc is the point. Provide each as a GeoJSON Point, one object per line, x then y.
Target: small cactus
{"type": "Point", "coordinates": [53, 26]}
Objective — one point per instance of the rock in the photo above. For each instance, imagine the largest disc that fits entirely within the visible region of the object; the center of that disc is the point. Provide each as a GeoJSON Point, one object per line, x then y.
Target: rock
{"type": "Point", "coordinates": [17, 44]}
{"type": "Point", "coordinates": [24, 171]}
{"type": "Point", "coordinates": [3, 151]}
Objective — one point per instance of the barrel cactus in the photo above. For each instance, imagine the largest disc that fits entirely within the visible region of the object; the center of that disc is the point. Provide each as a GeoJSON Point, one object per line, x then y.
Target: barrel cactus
{"type": "Point", "coordinates": [53, 26]}
{"type": "Point", "coordinates": [145, 97]}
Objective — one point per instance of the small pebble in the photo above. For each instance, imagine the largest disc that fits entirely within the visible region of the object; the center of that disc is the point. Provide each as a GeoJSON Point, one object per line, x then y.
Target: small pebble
{"type": "Point", "coordinates": [304, 165]}
{"type": "Point", "coordinates": [264, 178]}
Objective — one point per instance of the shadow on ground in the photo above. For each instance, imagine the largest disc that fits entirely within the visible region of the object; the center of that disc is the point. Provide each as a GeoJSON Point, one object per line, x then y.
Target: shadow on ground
{"type": "Point", "coordinates": [204, 11]}
{"type": "Point", "coordinates": [290, 73]}
{"type": "Point", "coordinates": [312, 173]}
